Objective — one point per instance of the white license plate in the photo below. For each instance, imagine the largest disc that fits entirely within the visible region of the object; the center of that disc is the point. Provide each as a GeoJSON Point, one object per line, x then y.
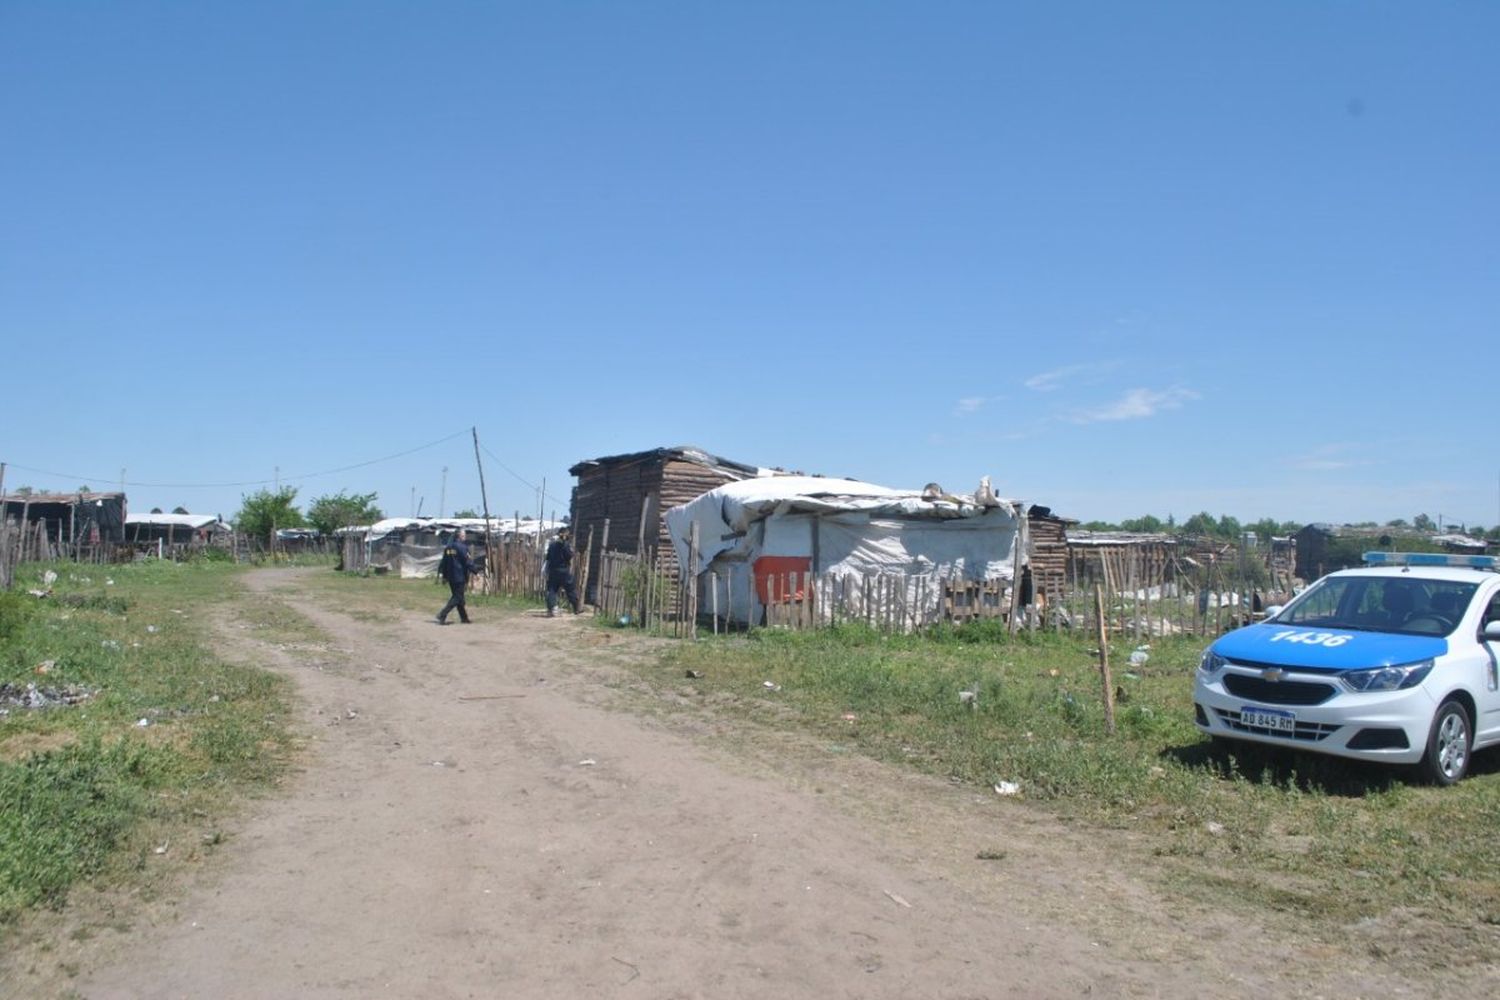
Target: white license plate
{"type": "Point", "coordinates": [1273, 719]}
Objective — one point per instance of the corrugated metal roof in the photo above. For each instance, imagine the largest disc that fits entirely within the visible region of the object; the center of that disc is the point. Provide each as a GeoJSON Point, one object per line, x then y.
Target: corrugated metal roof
{"type": "Point", "coordinates": [681, 453]}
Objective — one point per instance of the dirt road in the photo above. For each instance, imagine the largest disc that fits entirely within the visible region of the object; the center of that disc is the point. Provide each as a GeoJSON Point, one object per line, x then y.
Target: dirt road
{"type": "Point", "coordinates": [475, 820]}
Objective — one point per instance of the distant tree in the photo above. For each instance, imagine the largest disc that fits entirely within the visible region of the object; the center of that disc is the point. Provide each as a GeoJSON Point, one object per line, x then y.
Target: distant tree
{"type": "Point", "coordinates": [467, 512]}
{"type": "Point", "coordinates": [1228, 527]}
{"type": "Point", "coordinates": [1147, 524]}
{"type": "Point", "coordinates": [340, 510]}
{"type": "Point", "coordinates": [23, 491]}
{"type": "Point", "coordinates": [180, 510]}
{"type": "Point", "coordinates": [1202, 523]}
{"type": "Point", "coordinates": [264, 511]}
{"type": "Point", "coordinates": [1399, 522]}
{"type": "Point", "coordinates": [156, 510]}
{"type": "Point", "coordinates": [1098, 526]}
{"type": "Point", "coordinates": [1171, 521]}
{"type": "Point", "coordinates": [1423, 523]}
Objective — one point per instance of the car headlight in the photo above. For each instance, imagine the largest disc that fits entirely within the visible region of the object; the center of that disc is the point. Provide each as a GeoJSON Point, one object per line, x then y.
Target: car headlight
{"type": "Point", "coordinates": [1388, 678]}
{"type": "Point", "coordinates": [1211, 663]}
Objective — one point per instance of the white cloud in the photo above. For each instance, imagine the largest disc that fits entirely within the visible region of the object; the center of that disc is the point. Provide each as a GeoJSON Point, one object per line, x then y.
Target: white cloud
{"type": "Point", "coordinates": [1328, 458]}
{"type": "Point", "coordinates": [970, 405]}
{"type": "Point", "coordinates": [1137, 404]}
{"type": "Point", "coordinates": [1048, 381]}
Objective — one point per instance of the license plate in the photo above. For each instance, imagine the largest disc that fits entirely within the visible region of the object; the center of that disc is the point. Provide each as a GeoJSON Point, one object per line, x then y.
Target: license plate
{"type": "Point", "coordinates": [1273, 719]}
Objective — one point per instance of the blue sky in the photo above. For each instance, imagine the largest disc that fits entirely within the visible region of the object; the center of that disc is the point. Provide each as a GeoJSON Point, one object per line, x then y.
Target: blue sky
{"type": "Point", "coordinates": [1121, 258]}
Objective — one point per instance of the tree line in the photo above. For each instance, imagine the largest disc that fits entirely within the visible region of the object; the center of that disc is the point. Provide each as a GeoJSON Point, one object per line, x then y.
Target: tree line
{"type": "Point", "coordinates": [265, 511]}
{"type": "Point", "coordinates": [1225, 526]}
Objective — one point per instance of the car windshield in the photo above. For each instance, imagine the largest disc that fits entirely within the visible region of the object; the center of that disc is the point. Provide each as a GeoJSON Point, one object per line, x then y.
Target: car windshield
{"type": "Point", "coordinates": [1403, 604]}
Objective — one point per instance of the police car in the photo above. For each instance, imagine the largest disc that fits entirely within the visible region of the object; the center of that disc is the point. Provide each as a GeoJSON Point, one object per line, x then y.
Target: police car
{"type": "Point", "coordinates": [1394, 661]}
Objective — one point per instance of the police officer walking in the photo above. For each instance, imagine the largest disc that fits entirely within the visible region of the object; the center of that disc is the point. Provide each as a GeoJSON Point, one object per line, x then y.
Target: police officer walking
{"type": "Point", "coordinates": [558, 561]}
{"type": "Point", "coordinates": [455, 568]}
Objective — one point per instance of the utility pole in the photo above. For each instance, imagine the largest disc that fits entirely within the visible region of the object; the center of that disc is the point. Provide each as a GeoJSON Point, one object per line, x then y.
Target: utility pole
{"type": "Point", "coordinates": [541, 506]}
{"type": "Point", "coordinates": [275, 478]}
{"type": "Point", "coordinates": [489, 548]}
{"type": "Point", "coordinates": [443, 494]}
{"type": "Point", "coordinates": [413, 507]}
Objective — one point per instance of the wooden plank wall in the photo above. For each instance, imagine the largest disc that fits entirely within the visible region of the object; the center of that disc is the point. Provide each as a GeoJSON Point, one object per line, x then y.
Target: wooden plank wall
{"type": "Point", "coordinates": [678, 483]}
{"type": "Point", "coordinates": [1048, 557]}
{"type": "Point", "coordinates": [619, 491]}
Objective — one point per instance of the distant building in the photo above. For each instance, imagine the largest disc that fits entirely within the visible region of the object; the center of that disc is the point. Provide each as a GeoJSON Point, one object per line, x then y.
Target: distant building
{"type": "Point", "coordinates": [174, 528]}
{"type": "Point", "coordinates": [1461, 544]}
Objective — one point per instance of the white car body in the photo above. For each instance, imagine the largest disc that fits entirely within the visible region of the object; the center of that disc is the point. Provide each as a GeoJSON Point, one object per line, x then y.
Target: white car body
{"type": "Point", "coordinates": [1337, 672]}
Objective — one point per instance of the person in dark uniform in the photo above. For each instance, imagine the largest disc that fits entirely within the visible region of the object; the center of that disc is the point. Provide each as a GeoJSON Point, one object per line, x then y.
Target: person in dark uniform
{"type": "Point", "coordinates": [558, 563]}
{"type": "Point", "coordinates": [455, 568]}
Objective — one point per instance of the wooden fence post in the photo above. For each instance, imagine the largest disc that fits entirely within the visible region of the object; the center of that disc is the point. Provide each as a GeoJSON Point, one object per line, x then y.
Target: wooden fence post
{"type": "Point", "coordinates": [691, 574]}
{"type": "Point", "coordinates": [1104, 677]}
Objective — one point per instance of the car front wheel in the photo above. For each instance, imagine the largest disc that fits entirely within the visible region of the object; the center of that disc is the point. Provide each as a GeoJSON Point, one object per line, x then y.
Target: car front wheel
{"type": "Point", "coordinates": [1448, 745]}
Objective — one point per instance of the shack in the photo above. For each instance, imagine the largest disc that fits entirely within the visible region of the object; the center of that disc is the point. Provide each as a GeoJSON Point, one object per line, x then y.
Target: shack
{"type": "Point", "coordinates": [70, 518]}
{"type": "Point", "coordinates": [775, 541]}
{"type": "Point", "coordinates": [1121, 560]}
{"type": "Point", "coordinates": [630, 492]}
{"type": "Point", "coordinates": [202, 529]}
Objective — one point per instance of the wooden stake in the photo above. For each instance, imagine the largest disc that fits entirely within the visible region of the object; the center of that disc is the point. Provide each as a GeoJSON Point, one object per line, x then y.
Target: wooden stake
{"type": "Point", "coordinates": [25, 523]}
{"type": "Point", "coordinates": [1015, 574]}
{"type": "Point", "coordinates": [1104, 677]}
{"type": "Point", "coordinates": [691, 573]}
{"type": "Point", "coordinates": [586, 567]}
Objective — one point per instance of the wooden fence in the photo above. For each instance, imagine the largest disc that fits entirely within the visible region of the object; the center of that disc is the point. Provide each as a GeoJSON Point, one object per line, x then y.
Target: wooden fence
{"type": "Point", "coordinates": [1186, 600]}
{"type": "Point", "coordinates": [514, 568]}
{"type": "Point", "coordinates": [634, 590]}
{"type": "Point", "coordinates": [30, 542]}
{"type": "Point", "coordinates": [511, 567]}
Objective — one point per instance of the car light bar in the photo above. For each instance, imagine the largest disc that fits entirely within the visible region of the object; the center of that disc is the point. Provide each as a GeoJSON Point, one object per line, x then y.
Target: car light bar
{"type": "Point", "coordinates": [1430, 559]}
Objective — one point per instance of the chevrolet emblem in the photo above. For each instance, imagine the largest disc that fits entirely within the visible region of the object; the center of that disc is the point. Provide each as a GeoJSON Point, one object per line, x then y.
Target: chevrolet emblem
{"type": "Point", "coordinates": [1273, 674]}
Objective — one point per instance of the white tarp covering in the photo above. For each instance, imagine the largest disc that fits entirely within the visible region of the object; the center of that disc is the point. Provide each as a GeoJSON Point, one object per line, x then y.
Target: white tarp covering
{"type": "Point", "coordinates": [413, 546]}
{"type": "Point", "coordinates": [504, 526]}
{"type": "Point", "coordinates": [843, 528]}
{"type": "Point", "coordinates": [193, 521]}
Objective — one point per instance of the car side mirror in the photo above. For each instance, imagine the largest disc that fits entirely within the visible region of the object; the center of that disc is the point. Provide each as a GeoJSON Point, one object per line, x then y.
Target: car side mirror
{"type": "Point", "coordinates": [1274, 610]}
{"type": "Point", "coordinates": [1491, 631]}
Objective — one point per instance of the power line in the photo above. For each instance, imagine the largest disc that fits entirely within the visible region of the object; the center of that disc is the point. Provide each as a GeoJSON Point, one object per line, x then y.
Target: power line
{"type": "Point", "coordinates": [517, 475]}
{"type": "Point", "coordinates": [248, 482]}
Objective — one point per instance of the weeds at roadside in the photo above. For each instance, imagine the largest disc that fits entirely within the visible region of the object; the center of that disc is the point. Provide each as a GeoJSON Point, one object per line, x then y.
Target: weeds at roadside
{"type": "Point", "coordinates": [1335, 842]}
{"type": "Point", "coordinates": [166, 730]}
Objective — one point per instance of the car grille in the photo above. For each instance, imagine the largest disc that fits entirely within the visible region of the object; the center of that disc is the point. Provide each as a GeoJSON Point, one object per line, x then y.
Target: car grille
{"type": "Point", "coordinates": [1307, 732]}
{"type": "Point", "coordinates": [1277, 692]}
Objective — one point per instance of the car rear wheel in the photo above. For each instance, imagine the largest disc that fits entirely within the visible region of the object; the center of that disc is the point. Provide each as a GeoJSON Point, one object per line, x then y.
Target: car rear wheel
{"type": "Point", "coordinates": [1449, 744]}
